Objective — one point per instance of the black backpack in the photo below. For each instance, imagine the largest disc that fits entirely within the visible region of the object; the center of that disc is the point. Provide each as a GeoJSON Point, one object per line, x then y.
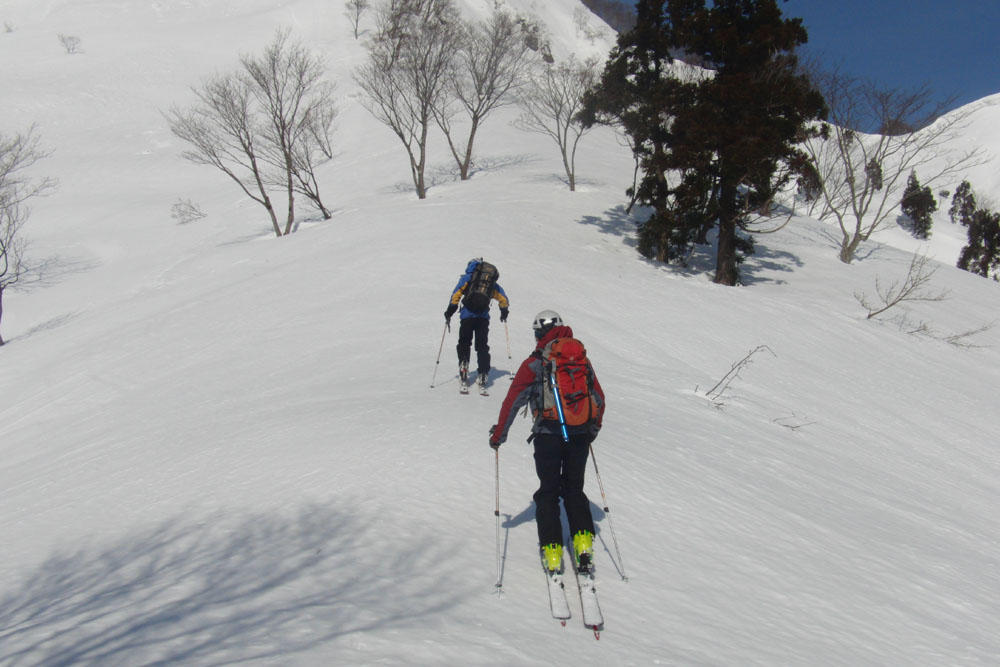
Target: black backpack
{"type": "Point", "coordinates": [479, 289]}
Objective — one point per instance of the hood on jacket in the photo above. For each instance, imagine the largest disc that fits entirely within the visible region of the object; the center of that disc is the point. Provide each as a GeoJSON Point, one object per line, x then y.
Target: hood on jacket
{"type": "Point", "coordinates": [553, 333]}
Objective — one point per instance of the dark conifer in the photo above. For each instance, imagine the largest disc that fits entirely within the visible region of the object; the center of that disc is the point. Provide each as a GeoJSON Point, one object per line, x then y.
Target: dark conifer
{"type": "Point", "coordinates": [963, 204]}
{"type": "Point", "coordinates": [982, 253]}
{"type": "Point", "coordinates": [918, 204]}
{"type": "Point", "coordinates": [709, 147]}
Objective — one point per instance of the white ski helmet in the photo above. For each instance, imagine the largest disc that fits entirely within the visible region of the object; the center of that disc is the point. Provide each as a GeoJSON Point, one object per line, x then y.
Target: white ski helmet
{"type": "Point", "coordinates": [544, 321]}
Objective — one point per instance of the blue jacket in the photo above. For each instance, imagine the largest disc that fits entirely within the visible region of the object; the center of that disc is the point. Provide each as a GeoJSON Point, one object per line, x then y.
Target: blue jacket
{"type": "Point", "coordinates": [456, 295]}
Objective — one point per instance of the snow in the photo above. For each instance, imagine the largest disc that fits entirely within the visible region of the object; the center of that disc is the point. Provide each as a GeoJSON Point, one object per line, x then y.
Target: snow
{"type": "Point", "coordinates": [217, 446]}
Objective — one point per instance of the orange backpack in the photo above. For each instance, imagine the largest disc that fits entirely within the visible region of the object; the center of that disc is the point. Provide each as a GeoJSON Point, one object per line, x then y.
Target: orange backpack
{"type": "Point", "coordinates": [567, 384]}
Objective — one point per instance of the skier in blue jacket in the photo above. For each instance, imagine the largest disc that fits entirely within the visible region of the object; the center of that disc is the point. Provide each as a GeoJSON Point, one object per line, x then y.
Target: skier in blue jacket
{"type": "Point", "coordinates": [474, 324]}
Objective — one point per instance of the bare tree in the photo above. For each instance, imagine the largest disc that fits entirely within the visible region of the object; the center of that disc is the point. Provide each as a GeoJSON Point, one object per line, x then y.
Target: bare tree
{"type": "Point", "coordinates": [299, 108]}
{"type": "Point", "coordinates": [354, 10]}
{"type": "Point", "coordinates": [17, 154]}
{"type": "Point", "coordinates": [407, 72]}
{"type": "Point", "coordinates": [873, 140]}
{"type": "Point", "coordinates": [307, 156]}
{"type": "Point", "coordinates": [262, 125]}
{"type": "Point", "coordinates": [223, 134]}
{"type": "Point", "coordinates": [550, 103]}
{"type": "Point", "coordinates": [491, 65]}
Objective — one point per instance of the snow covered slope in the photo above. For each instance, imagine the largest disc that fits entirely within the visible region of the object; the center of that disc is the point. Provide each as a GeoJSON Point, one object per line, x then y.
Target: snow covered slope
{"type": "Point", "coordinates": [217, 446]}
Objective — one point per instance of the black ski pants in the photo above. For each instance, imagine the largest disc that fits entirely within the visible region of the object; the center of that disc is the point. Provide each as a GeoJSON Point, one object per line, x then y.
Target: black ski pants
{"type": "Point", "coordinates": [478, 328]}
{"type": "Point", "coordinates": [561, 466]}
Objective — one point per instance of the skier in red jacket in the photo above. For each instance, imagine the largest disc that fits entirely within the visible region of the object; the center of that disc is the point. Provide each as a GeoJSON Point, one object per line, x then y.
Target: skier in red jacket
{"type": "Point", "coordinates": [561, 451]}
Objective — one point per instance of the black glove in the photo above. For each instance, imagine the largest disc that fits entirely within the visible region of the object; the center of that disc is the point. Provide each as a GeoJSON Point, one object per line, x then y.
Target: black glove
{"type": "Point", "coordinates": [450, 311]}
{"type": "Point", "coordinates": [503, 314]}
{"type": "Point", "coordinates": [494, 437]}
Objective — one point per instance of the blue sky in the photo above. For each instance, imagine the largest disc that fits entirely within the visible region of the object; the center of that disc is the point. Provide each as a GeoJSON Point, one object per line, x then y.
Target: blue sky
{"type": "Point", "coordinates": [951, 46]}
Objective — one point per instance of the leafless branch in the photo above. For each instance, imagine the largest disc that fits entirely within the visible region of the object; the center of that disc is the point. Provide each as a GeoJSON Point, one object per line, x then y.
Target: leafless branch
{"type": "Point", "coordinates": [873, 140]}
{"type": "Point", "coordinates": [18, 153]}
{"type": "Point", "coordinates": [71, 43]}
{"type": "Point", "coordinates": [491, 65]}
{"type": "Point", "coordinates": [551, 102]}
{"type": "Point", "coordinates": [716, 393]}
{"type": "Point", "coordinates": [354, 10]}
{"type": "Point", "coordinates": [914, 287]}
{"type": "Point", "coordinates": [262, 125]}
{"type": "Point", "coordinates": [406, 75]}
{"type": "Point", "coordinates": [792, 422]}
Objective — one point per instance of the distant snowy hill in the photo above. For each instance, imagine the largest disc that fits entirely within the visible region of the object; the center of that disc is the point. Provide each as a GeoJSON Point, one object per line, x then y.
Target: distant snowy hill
{"type": "Point", "coordinates": [217, 446]}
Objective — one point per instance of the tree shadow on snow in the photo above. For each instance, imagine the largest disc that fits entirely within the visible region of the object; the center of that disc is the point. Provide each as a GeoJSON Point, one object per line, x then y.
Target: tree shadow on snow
{"type": "Point", "coordinates": [616, 222]}
{"type": "Point", "coordinates": [757, 268]}
{"type": "Point", "coordinates": [448, 172]}
{"type": "Point", "coordinates": [48, 325]}
{"type": "Point", "coordinates": [52, 271]}
{"type": "Point", "coordinates": [222, 590]}
{"type": "Point", "coordinates": [764, 262]}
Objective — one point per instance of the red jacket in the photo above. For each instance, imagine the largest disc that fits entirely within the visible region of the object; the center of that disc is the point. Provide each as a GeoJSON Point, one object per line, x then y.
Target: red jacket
{"type": "Point", "coordinates": [526, 390]}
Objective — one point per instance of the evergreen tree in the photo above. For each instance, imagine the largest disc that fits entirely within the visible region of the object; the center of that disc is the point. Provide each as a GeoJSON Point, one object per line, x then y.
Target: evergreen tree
{"type": "Point", "coordinates": [982, 254]}
{"type": "Point", "coordinates": [963, 204]}
{"type": "Point", "coordinates": [709, 143]}
{"type": "Point", "coordinates": [918, 204]}
{"type": "Point", "coordinates": [807, 181]}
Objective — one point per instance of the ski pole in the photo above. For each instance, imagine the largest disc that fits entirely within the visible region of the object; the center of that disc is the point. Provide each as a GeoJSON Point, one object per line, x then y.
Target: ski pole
{"type": "Point", "coordinates": [559, 409]}
{"type": "Point", "coordinates": [607, 512]}
{"type": "Point", "coordinates": [496, 512]}
{"type": "Point", "coordinates": [506, 330]}
{"type": "Point", "coordinates": [440, 348]}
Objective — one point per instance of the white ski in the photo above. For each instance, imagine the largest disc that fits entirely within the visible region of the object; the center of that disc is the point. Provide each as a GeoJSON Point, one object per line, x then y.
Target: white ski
{"type": "Point", "coordinates": [557, 596]}
{"type": "Point", "coordinates": [592, 616]}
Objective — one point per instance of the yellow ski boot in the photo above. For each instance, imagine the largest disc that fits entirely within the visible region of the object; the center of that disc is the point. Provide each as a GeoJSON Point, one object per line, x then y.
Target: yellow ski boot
{"type": "Point", "coordinates": [552, 555]}
{"type": "Point", "coordinates": [583, 548]}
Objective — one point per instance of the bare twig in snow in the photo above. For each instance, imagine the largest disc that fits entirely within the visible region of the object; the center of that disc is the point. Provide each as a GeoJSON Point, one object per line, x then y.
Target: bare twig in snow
{"type": "Point", "coordinates": [913, 288]}
{"type": "Point", "coordinates": [715, 393]}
